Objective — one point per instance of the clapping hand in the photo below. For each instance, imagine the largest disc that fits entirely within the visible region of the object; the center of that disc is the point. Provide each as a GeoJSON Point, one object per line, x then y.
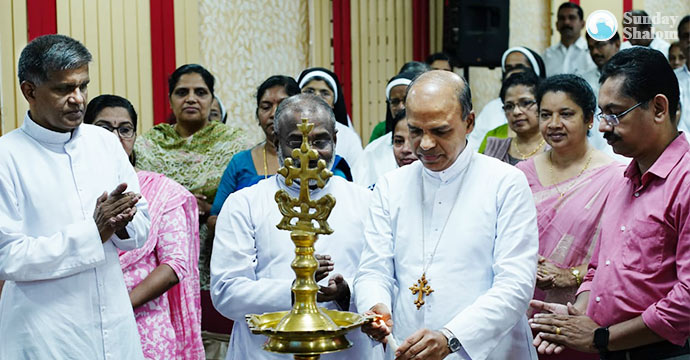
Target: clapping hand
{"type": "Point", "coordinates": [543, 346]}
{"type": "Point", "coordinates": [114, 211]}
{"type": "Point", "coordinates": [558, 329]}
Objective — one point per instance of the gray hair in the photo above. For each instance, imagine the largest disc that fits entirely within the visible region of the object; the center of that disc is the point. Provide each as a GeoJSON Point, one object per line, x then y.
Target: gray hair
{"type": "Point", "coordinates": [302, 103]}
{"type": "Point", "coordinates": [50, 53]}
{"type": "Point", "coordinates": [464, 93]}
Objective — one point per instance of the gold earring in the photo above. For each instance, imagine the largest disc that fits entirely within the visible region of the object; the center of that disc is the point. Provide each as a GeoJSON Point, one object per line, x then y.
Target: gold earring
{"type": "Point", "coordinates": [590, 126]}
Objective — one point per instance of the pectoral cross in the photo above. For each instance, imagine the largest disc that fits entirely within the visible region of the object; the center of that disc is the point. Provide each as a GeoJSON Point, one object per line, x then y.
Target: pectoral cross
{"type": "Point", "coordinates": [421, 288]}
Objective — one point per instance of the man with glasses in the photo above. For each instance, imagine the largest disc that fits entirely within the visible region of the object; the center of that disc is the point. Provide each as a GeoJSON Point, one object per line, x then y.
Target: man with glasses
{"type": "Point", "coordinates": [64, 214]}
{"type": "Point", "coordinates": [250, 265]}
{"type": "Point", "coordinates": [634, 302]}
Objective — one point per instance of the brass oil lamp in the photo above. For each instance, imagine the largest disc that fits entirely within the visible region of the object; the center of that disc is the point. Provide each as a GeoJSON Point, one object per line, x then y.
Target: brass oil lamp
{"type": "Point", "coordinates": [307, 331]}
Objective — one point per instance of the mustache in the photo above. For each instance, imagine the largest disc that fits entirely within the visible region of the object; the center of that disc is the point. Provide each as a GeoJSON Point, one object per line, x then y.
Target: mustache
{"type": "Point", "coordinates": [610, 135]}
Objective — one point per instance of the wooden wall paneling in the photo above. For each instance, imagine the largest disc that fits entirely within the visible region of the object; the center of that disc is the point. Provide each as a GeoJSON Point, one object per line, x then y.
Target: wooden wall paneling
{"type": "Point", "coordinates": [318, 34]}
{"type": "Point", "coordinates": [131, 52]}
{"type": "Point", "coordinates": [391, 35]}
{"type": "Point", "coordinates": [19, 38]}
{"type": "Point", "coordinates": [62, 10]}
{"type": "Point", "coordinates": [105, 48]}
{"type": "Point", "coordinates": [439, 25]}
{"type": "Point", "coordinates": [408, 42]}
{"type": "Point", "coordinates": [117, 17]}
{"type": "Point", "coordinates": [145, 109]}
{"type": "Point", "coordinates": [365, 53]}
{"type": "Point", "coordinates": [373, 66]}
{"type": "Point", "coordinates": [355, 31]}
{"type": "Point", "coordinates": [90, 15]}
{"type": "Point", "coordinates": [381, 73]}
{"type": "Point", "coordinates": [8, 71]}
{"type": "Point", "coordinates": [180, 31]}
{"type": "Point", "coordinates": [435, 26]}
{"type": "Point", "coordinates": [191, 16]}
{"type": "Point", "coordinates": [400, 31]}
{"type": "Point", "coordinates": [311, 4]}
{"type": "Point", "coordinates": [76, 19]}
{"type": "Point", "coordinates": [327, 34]}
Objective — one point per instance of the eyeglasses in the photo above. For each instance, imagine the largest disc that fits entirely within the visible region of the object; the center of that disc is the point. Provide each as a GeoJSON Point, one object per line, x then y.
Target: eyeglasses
{"type": "Point", "coordinates": [315, 144]}
{"type": "Point", "coordinates": [614, 119]}
{"type": "Point", "coordinates": [522, 104]}
{"type": "Point", "coordinates": [124, 131]}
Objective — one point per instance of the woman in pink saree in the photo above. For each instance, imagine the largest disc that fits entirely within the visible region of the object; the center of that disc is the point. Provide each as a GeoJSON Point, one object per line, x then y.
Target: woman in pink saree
{"type": "Point", "coordinates": [570, 184]}
{"type": "Point", "coordinates": [162, 276]}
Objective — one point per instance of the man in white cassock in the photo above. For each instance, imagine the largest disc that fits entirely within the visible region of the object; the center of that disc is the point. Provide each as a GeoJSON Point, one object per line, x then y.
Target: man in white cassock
{"type": "Point", "coordinates": [451, 240]}
{"type": "Point", "coordinates": [250, 265]}
{"type": "Point", "coordinates": [64, 213]}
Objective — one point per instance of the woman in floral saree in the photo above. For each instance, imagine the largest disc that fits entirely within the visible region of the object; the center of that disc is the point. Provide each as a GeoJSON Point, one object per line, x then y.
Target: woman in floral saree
{"type": "Point", "coordinates": [162, 276]}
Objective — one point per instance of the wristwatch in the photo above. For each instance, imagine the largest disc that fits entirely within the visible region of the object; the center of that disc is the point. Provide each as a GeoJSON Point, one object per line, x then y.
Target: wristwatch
{"type": "Point", "coordinates": [601, 340]}
{"type": "Point", "coordinates": [453, 342]}
{"type": "Point", "coordinates": [577, 275]}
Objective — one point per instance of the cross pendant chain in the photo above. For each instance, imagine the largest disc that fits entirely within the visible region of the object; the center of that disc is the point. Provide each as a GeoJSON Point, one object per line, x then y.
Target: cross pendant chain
{"type": "Point", "coordinates": [421, 288]}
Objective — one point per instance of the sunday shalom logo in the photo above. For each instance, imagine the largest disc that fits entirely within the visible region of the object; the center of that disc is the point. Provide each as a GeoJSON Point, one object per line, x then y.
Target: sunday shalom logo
{"type": "Point", "coordinates": [601, 25]}
{"type": "Point", "coordinates": [640, 27]}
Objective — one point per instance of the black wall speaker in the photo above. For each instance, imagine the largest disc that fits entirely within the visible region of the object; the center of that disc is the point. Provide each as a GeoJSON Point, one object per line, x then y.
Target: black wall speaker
{"type": "Point", "coordinates": [475, 32]}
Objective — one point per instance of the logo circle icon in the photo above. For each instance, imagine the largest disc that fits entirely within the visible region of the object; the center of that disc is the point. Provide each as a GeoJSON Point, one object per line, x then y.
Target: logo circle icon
{"type": "Point", "coordinates": [601, 25]}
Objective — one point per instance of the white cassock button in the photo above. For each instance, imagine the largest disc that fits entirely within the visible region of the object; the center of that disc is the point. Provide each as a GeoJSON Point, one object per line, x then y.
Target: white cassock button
{"type": "Point", "coordinates": [622, 228]}
{"type": "Point", "coordinates": [597, 299]}
{"type": "Point", "coordinates": [637, 194]}
{"type": "Point", "coordinates": [608, 262]}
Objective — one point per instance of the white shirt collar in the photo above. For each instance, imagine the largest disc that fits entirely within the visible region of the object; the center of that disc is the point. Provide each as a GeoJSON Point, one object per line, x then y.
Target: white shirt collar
{"type": "Point", "coordinates": [460, 164]}
{"type": "Point", "coordinates": [580, 43]}
{"type": "Point", "coordinates": [43, 135]}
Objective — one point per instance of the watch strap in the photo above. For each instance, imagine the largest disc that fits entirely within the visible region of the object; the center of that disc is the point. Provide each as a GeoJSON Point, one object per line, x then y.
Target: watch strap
{"type": "Point", "coordinates": [453, 342]}
{"type": "Point", "coordinates": [601, 340]}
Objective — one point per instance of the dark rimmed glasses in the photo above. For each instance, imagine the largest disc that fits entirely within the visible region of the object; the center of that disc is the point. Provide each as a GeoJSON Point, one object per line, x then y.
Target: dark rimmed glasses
{"type": "Point", "coordinates": [522, 104]}
{"type": "Point", "coordinates": [614, 119]}
{"type": "Point", "coordinates": [124, 131]}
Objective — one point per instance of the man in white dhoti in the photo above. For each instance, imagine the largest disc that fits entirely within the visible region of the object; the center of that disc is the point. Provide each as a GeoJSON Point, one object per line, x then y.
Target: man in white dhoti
{"type": "Point", "coordinates": [451, 240]}
{"type": "Point", "coordinates": [250, 265]}
{"type": "Point", "coordinates": [64, 295]}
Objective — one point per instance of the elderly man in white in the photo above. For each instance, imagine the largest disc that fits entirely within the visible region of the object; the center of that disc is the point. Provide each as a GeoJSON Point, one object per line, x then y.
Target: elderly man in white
{"type": "Point", "coordinates": [250, 265]}
{"type": "Point", "coordinates": [64, 213]}
{"type": "Point", "coordinates": [451, 240]}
